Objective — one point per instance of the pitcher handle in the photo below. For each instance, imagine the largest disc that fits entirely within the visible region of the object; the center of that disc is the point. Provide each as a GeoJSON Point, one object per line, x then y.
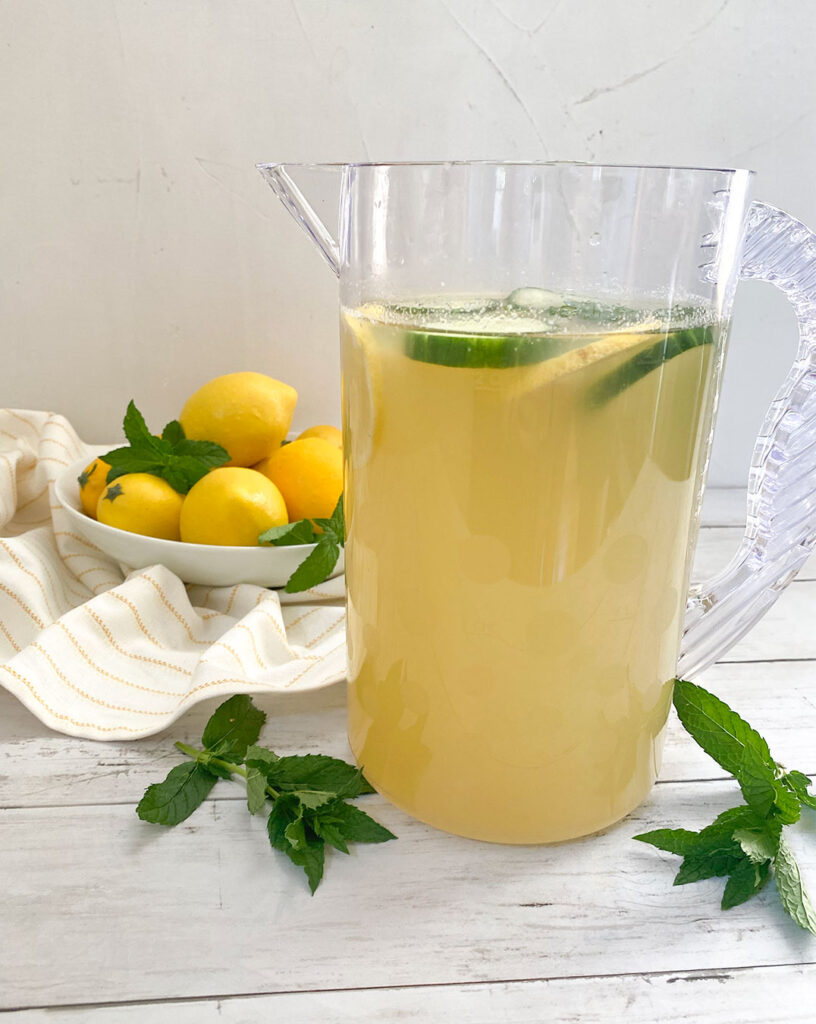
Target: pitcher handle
{"type": "Point", "coordinates": [280, 180]}
{"type": "Point", "coordinates": [780, 531]}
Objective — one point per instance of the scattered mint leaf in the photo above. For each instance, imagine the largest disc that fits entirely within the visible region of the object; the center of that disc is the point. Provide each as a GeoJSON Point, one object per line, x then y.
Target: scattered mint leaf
{"type": "Point", "coordinates": [710, 860]}
{"type": "Point", "coordinates": [791, 891]}
{"type": "Point", "coordinates": [744, 842]}
{"type": "Point", "coordinates": [307, 792]}
{"type": "Point", "coordinates": [730, 741]}
{"type": "Point", "coordinates": [233, 727]}
{"type": "Point", "coordinates": [353, 824]}
{"type": "Point", "coordinates": [259, 757]}
{"type": "Point", "coordinates": [170, 802]}
{"type": "Point", "coordinates": [298, 842]}
{"type": "Point", "coordinates": [173, 457]}
{"type": "Point", "coordinates": [317, 772]}
{"type": "Point", "coordinates": [758, 847]}
{"type": "Point", "coordinates": [256, 790]}
{"type": "Point", "coordinates": [316, 567]}
{"type": "Point", "coordinates": [799, 784]}
{"type": "Point", "coordinates": [302, 531]}
{"type": "Point", "coordinates": [745, 881]}
{"type": "Point", "coordinates": [312, 798]}
{"type": "Point", "coordinates": [673, 840]}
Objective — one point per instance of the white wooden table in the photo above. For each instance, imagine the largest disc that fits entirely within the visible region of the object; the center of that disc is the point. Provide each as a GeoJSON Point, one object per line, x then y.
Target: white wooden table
{"type": "Point", "coordinates": [105, 918]}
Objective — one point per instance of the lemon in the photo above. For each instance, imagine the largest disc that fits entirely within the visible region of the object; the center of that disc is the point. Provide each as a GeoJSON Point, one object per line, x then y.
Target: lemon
{"type": "Point", "coordinates": [330, 434]}
{"type": "Point", "coordinates": [141, 503]}
{"type": "Point", "coordinates": [309, 475]}
{"type": "Point", "coordinates": [231, 505]}
{"type": "Point", "coordinates": [249, 414]}
{"type": "Point", "coordinates": [91, 485]}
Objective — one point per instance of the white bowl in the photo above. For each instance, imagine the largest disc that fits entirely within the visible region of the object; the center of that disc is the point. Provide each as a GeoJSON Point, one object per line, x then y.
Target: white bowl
{"type": "Point", "coordinates": [208, 564]}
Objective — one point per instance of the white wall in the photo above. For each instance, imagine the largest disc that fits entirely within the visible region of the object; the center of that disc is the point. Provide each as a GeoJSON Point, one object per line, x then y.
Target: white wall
{"type": "Point", "coordinates": [142, 253]}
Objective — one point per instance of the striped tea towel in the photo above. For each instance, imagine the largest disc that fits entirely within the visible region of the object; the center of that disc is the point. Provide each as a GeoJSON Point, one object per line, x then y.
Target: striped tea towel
{"type": "Point", "coordinates": [95, 653]}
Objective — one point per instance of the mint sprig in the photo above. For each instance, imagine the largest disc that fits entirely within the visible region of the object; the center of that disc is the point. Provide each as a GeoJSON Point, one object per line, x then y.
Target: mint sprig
{"type": "Point", "coordinates": [319, 564]}
{"type": "Point", "coordinates": [175, 458]}
{"type": "Point", "coordinates": [308, 793]}
{"type": "Point", "coordinates": [745, 843]}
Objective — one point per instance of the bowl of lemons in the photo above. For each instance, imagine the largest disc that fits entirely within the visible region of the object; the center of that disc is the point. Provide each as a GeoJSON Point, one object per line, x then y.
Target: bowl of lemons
{"type": "Point", "coordinates": [223, 495]}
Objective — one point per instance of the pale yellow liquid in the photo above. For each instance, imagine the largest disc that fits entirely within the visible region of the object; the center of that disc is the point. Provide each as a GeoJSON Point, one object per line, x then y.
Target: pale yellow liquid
{"type": "Point", "coordinates": [517, 571]}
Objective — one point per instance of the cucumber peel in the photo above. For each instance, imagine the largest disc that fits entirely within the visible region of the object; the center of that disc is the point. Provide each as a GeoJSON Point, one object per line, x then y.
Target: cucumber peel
{"type": "Point", "coordinates": [648, 359]}
{"type": "Point", "coordinates": [473, 351]}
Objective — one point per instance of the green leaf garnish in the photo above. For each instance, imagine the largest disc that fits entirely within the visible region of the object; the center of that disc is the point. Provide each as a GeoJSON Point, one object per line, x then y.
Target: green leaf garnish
{"type": "Point", "coordinates": [234, 725]}
{"type": "Point", "coordinates": [173, 457]}
{"type": "Point", "coordinates": [316, 567]}
{"type": "Point", "coordinates": [319, 564]}
{"type": "Point", "coordinates": [744, 842]}
{"type": "Point", "coordinates": [302, 531]}
{"type": "Point", "coordinates": [170, 802]}
{"type": "Point", "coordinates": [308, 792]}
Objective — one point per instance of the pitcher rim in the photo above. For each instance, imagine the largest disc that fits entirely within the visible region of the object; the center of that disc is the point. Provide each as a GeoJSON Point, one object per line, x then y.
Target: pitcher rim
{"type": "Point", "coordinates": [340, 164]}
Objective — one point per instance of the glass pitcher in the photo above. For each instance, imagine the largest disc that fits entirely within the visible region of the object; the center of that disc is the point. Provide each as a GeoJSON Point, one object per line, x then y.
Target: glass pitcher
{"type": "Point", "coordinates": [531, 357]}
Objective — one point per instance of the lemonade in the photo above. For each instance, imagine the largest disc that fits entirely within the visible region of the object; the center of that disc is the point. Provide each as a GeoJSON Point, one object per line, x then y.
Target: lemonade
{"type": "Point", "coordinates": [521, 479]}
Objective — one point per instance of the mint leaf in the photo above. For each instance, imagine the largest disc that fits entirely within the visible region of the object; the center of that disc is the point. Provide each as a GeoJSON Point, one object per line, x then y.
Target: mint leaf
{"type": "Point", "coordinates": [259, 757]}
{"type": "Point", "coordinates": [172, 457]}
{"type": "Point", "coordinates": [731, 742]}
{"type": "Point", "coordinates": [673, 840]}
{"type": "Point", "coordinates": [758, 847]}
{"type": "Point", "coordinates": [312, 798]}
{"type": "Point", "coordinates": [233, 726]}
{"type": "Point", "coordinates": [710, 860]}
{"type": "Point", "coordinates": [316, 567]}
{"type": "Point", "coordinates": [336, 526]}
{"type": "Point", "coordinates": [745, 880]}
{"type": "Point", "coordinates": [170, 802]}
{"type": "Point", "coordinates": [735, 817]}
{"type": "Point", "coordinates": [208, 453]}
{"type": "Point", "coordinates": [130, 460]}
{"type": "Point", "coordinates": [791, 891]}
{"type": "Point", "coordinates": [307, 797]}
{"type": "Point", "coordinates": [317, 772]}
{"type": "Point", "coordinates": [137, 433]}
{"type": "Point", "coordinates": [302, 531]}
{"type": "Point", "coordinates": [173, 433]}
{"type": "Point", "coordinates": [799, 784]}
{"type": "Point", "coordinates": [256, 789]}
{"type": "Point", "coordinates": [352, 824]}
{"type": "Point", "coordinates": [297, 841]}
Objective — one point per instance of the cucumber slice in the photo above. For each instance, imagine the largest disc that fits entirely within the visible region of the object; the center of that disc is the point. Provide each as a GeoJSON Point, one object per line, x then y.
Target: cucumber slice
{"type": "Point", "coordinates": [475, 351]}
{"type": "Point", "coordinates": [649, 359]}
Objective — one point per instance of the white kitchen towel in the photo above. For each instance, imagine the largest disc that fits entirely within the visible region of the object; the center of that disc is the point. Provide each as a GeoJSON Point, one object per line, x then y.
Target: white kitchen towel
{"type": "Point", "coordinates": [95, 653]}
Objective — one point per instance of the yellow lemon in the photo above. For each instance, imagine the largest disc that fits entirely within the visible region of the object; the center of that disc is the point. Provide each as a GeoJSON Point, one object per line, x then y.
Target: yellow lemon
{"type": "Point", "coordinates": [309, 475]}
{"type": "Point", "coordinates": [231, 505]}
{"type": "Point", "coordinates": [249, 414]}
{"type": "Point", "coordinates": [141, 503]}
{"type": "Point", "coordinates": [91, 485]}
{"type": "Point", "coordinates": [330, 434]}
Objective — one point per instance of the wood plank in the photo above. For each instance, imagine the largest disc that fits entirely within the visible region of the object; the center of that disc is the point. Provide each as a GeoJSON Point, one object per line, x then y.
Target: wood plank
{"type": "Point", "coordinates": [724, 506]}
{"type": "Point", "coordinates": [99, 903]}
{"type": "Point", "coordinates": [772, 995]}
{"type": "Point", "coordinates": [42, 768]}
{"type": "Point", "coordinates": [716, 546]}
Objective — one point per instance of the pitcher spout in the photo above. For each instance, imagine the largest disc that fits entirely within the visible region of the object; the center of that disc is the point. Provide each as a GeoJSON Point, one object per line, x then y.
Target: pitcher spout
{"type": "Point", "coordinates": [281, 181]}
